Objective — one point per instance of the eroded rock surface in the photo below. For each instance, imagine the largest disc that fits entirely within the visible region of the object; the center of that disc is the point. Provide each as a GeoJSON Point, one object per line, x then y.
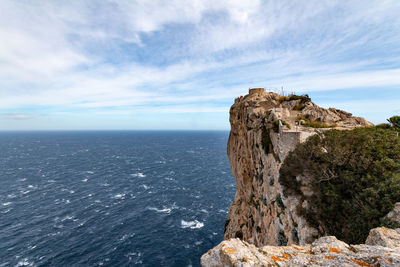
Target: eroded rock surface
{"type": "Point", "coordinates": [325, 251]}
{"type": "Point", "coordinates": [394, 215]}
{"type": "Point", "coordinates": [265, 127]}
{"type": "Point", "coordinates": [385, 237]}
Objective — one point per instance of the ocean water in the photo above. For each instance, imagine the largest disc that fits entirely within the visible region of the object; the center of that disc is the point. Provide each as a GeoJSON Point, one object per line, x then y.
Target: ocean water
{"type": "Point", "coordinates": [112, 198]}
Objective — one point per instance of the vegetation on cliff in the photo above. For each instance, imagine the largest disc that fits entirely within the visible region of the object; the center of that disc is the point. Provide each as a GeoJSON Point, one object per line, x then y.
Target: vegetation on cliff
{"type": "Point", "coordinates": [354, 177]}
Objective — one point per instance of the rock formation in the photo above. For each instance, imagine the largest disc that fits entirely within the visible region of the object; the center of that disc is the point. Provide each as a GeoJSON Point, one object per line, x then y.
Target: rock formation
{"type": "Point", "coordinates": [265, 127]}
{"type": "Point", "coordinates": [325, 251]}
{"type": "Point", "coordinates": [264, 227]}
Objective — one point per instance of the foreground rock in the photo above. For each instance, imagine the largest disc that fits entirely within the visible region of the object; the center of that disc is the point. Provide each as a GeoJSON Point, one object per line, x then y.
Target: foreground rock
{"type": "Point", "coordinates": [325, 251]}
{"type": "Point", "coordinates": [265, 127]}
{"type": "Point", "coordinates": [384, 237]}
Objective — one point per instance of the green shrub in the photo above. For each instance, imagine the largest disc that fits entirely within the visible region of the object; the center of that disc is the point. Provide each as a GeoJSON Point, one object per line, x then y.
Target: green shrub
{"type": "Point", "coordinates": [266, 140]}
{"type": "Point", "coordinates": [279, 201]}
{"type": "Point", "coordinates": [300, 106]}
{"type": "Point", "coordinates": [355, 177]}
{"type": "Point", "coordinates": [317, 124]}
{"type": "Point", "coordinates": [282, 240]}
{"type": "Point", "coordinates": [395, 121]}
{"type": "Point", "coordinates": [295, 236]}
{"type": "Point", "coordinates": [312, 123]}
{"type": "Point", "coordinates": [303, 98]}
{"type": "Point", "coordinates": [383, 126]}
{"type": "Point", "coordinates": [275, 125]}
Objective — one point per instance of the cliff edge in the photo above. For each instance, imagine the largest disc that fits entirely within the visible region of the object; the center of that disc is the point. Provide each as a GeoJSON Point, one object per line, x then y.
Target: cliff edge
{"type": "Point", "coordinates": [265, 127]}
{"type": "Point", "coordinates": [265, 225]}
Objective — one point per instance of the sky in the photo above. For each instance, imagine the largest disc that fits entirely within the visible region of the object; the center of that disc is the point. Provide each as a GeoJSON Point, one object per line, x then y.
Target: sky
{"type": "Point", "coordinates": [179, 64]}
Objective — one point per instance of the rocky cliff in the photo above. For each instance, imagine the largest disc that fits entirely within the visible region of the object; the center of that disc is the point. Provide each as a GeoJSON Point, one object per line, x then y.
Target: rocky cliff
{"type": "Point", "coordinates": [264, 226]}
{"type": "Point", "coordinates": [265, 127]}
{"type": "Point", "coordinates": [382, 249]}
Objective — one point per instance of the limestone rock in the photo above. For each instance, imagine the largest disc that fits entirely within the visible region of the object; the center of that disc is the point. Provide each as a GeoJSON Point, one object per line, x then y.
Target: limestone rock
{"type": "Point", "coordinates": [326, 251]}
{"type": "Point", "coordinates": [394, 215]}
{"type": "Point", "coordinates": [265, 127]}
{"type": "Point", "coordinates": [384, 237]}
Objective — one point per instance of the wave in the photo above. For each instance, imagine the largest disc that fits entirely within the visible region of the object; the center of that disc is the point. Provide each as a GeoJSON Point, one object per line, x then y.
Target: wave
{"type": "Point", "coordinates": [139, 174]}
{"type": "Point", "coordinates": [164, 210]}
{"type": "Point", "coordinates": [145, 186]}
{"type": "Point", "coordinates": [24, 262]}
{"type": "Point", "coordinates": [119, 196]}
{"type": "Point", "coordinates": [192, 224]}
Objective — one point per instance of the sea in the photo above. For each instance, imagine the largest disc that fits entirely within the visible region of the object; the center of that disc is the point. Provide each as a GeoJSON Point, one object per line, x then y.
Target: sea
{"type": "Point", "coordinates": [112, 198]}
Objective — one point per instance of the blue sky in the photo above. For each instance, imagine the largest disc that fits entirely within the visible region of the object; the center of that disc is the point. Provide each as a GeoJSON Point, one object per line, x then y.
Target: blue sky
{"type": "Point", "coordinates": [110, 64]}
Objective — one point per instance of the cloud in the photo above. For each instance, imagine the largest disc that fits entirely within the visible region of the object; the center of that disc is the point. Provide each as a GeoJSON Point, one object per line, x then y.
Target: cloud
{"type": "Point", "coordinates": [16, 116]}
{"type": "Point", "coordinates": [176, 55]}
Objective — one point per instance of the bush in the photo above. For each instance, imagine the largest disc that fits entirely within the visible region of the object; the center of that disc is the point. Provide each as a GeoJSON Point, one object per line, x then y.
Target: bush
{"type": "Point", "coordinates": [312, 123]}
{"type": "Point", "coordinates": [317, 124]}
{"type": "Point", "coordinates": [394, 121]}
{"type": "Point", "coordinates": [300, 106]}
{"type": "Point", "coordinates": [266, 140]}
{"type": "Point", "coordinates": [279, 201]}
{"type": "Point", "coordinates": [282, 240]}
{"type": "Point", "coordinates": [275, 125]}
{"type": "Point", "coordinates": [355, 177]}
{"type": "Point", "coordinates": [303, 98]}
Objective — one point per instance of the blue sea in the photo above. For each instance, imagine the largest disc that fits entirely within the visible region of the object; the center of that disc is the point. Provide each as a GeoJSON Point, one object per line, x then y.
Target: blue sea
{"type": "Point", "coordinates": [128, 198]}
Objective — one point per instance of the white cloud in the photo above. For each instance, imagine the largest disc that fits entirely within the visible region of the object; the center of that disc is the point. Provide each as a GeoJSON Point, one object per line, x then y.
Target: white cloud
{"type": "Point", "coordinates": [79, 55]}
{"type": "Point", "coordinates": [16, 116]}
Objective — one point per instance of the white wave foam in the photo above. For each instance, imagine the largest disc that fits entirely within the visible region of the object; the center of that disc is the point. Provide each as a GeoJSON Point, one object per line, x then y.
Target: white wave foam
{"type": "Point", "coordinates": [67, 218]}
{"type": "Point", "coordinates": [24, 262]}
{"type": "Point", "coordinates": [90, 172]}
{"type": "Point", "coordinates": [6, 203]}
{"type": "Point", "coordinates": [84, 180]}
{"type": "Point", "coordinates": [145, 186]}
{"type": "Point", "coordinates": [119, 196]}
{"type": "Point", "coordinates": [139, 174]}
{"type": "Point", "coordinates": [6, 211]}
{"type": "Point", "coordinates": [192, 224]}
{"type": "Point", "coordinates": [164, 210]}
{"type": "Point", "coordinates": [11, 196]}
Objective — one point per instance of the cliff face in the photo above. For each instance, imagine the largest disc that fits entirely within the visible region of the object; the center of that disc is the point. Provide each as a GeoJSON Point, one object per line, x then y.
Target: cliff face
{"type": "Point", "coordinates": [265, 127]}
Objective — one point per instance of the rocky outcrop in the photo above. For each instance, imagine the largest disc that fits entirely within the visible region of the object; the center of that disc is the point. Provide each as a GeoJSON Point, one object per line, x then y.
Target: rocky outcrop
{"type": "Point", "coordinates": [394, 215]}
{"type": "Point", "coordinates": [325, 251]}
{"type": "Point", "coordinates": [384, 237]}
{"type": "Point", "coordinates": [265, 127]}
